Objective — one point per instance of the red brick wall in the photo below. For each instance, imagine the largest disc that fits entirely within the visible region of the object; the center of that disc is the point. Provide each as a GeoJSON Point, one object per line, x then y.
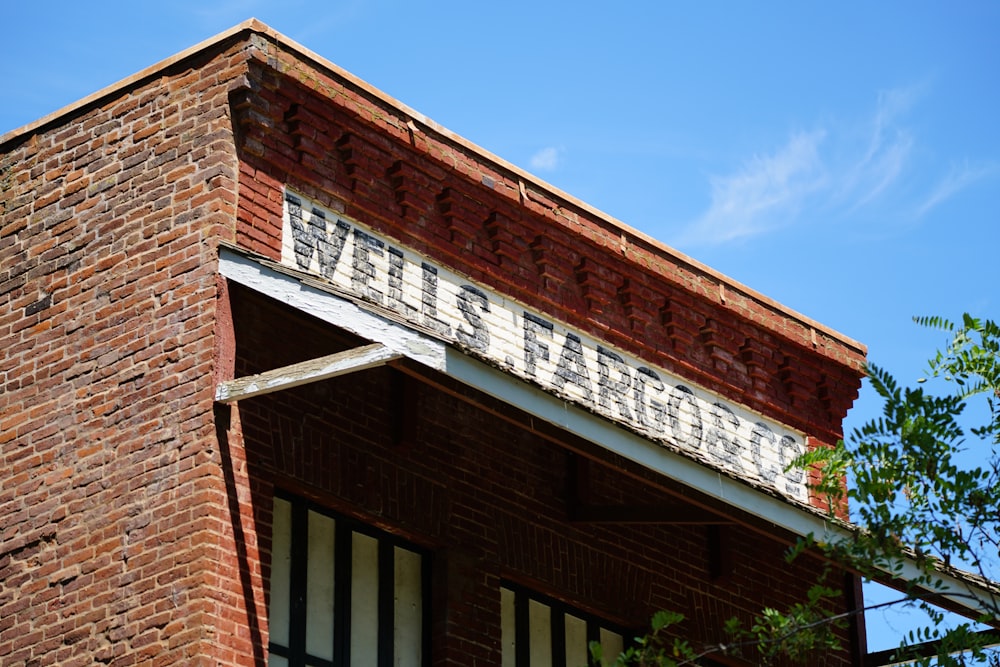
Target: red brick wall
{"type": "Point", "coordinates": [489, 498]}
{"type": "Point", "coordinates": [115, 539]}
{"type": "Point", "coordinates": [300, 126]}
{"type": "Point", "coordinates": [331, 140]}
{"type": "Point", "coordinates": [128, 512]}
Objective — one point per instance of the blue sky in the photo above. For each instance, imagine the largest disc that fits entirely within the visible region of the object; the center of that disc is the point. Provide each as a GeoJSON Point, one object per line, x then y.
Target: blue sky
{"type": "Point", "coordinates": [841, 158]}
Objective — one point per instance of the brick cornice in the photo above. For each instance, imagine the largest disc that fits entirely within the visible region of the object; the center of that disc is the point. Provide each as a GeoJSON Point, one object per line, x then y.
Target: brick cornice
{"type": "Point", "coordinates": [267, 45]}
{"type": "Point", "coordinates": [554, 258]}
{"type": "Point", "coordinates": [361, 153]}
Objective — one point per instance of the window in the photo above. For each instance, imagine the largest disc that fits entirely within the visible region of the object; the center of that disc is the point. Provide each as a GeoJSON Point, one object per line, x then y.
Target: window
{"type": "Point", "coordinates": [343, 593]}
{"type": "Point", "coordinates": [538, 631]}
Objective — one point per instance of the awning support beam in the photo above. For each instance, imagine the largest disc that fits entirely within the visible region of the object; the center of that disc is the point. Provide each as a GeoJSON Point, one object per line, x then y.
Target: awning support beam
{"type": "Point", "coordinates": [582, 510]}
{"type": "Point", "coordinates": [960, 591]}
{"type": "Point", "coordinates": [305, 372]}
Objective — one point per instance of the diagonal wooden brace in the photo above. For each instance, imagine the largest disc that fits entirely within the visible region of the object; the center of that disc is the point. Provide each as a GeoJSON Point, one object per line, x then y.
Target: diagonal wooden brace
{"type": "Point", "coordinates": [286, 377]}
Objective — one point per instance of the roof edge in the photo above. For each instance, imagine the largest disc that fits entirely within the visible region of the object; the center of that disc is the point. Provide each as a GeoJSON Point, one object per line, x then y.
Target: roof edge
{"type": "Point", "coordinates": [560, 194]}
{"type": "Point", "coordinates": [253, 25]}
{"type": "Point", "coordinates": [250, 25]}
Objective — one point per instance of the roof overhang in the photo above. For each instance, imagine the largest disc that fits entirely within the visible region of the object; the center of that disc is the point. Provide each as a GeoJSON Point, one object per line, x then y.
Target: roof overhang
{"type": "Point", "coordinates": [396, 339]}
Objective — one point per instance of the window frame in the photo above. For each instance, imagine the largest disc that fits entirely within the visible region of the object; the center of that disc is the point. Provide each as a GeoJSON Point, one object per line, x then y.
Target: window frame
{"type": "Point", "coordinates": [295, 653]}
{"type": "Point", "coordinates": [558, 610]}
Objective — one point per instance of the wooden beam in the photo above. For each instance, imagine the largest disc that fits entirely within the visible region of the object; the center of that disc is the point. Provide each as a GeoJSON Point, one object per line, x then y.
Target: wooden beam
{"type": "Point", "coordinates": [557, 420]}
{"type": "Point", "coordinates": [305, 372]}
{"type": "Point", "coordinates": [666, 515]}
{"type": "Point", "coordinates": [580, 509]}
{"type": "Point", "coordinates": [720, 552]}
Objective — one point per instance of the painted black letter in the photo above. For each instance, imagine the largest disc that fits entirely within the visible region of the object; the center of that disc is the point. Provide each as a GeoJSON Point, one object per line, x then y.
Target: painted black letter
{"type": "Point", "coordinates": [534, 350]}
{"type": "Point", "coordinates": [681, 394]}
{"type": "Point", "coordinates": [796, 477]}
{"type": "Point", "coordinates": [365, 245]}
{"type": "Point", "coordinates": [429, 299]}
{"type": "Point", "coordinates": [761, 434]}
{"type": "Point", "coordinates": [312, 239]}
{"type": "Point", "coordinates": [479, 337]}
{"type": "Point", "coordinates": [396, 285]}
{"type": "Point", "coordinates": [644, 377]}
{"type": "Point", "coordinates": [720, 446]}
{"type": "Point", "coordinates": [572, 355]}
{"type": "Point", "coordinates": [609, 389]}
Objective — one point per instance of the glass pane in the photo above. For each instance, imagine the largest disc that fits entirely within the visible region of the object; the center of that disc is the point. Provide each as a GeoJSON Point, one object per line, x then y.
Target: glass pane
{"type": "Point", "coordinates": [540, 632]}
{"type": "Point", "coordinates": [577, 654]}
{"type": "Point", "coordinates": [612, 643]}
{"type": "Point", "coordinates": [281, 567]}
{"type": "Point", "coordinates": [319, 587]}
{"type": "Point", "coordinates": [276, 661]}
{"type": "Point", "coordinates": [508, 640]}
{"type": "Point", "coordinates": [364, 600]}
{"type": "Point", "coordinates": [408, 630]}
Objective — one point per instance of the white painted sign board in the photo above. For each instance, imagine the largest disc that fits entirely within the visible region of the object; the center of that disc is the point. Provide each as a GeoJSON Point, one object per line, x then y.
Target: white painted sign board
{"type": "Point", "coordinates": [541, 350]}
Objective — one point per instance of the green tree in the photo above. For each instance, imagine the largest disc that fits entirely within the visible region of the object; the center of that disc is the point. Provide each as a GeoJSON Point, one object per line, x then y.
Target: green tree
{"type": "Point", "coordinates": [924, 494]}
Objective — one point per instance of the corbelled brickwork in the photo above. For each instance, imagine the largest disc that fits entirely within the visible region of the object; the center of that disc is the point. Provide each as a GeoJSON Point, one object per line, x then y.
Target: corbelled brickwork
{"type": "Point", "coordinates": [326, 138]}
{"type": "Point", "coordinates": [135, 513]}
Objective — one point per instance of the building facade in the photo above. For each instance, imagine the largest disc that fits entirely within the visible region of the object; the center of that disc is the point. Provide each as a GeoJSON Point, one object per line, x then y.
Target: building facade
{"type": "Point", "coordinates": [292, 375]}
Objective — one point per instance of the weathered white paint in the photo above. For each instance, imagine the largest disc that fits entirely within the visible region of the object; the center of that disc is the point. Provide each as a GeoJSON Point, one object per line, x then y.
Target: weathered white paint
{"type": "Point", "coordinates": [534, 347]}
{"type": "Point", "coordinates": [612, 642]}
{"type": "Point", "coordinates": [576, 641]}
{"type": "Point", "coordinates": [542, 638]}
{"type": "Point", "coordinates": [314, 370]}
{"type": "Point", "coordinates": [281, 567]}
{"type": "Point", "coordinates": [337, 311]}
{"type": "Point", "coordinates": [319, 586]}
{"type": "Point", "coordinates": [508, 636]}
{"type": "Point", "coordinates": [540, 634]}
{"type": "Point", "coordinates": [408, 609]}
{"type": "Point", "coordinates": [364, 600]}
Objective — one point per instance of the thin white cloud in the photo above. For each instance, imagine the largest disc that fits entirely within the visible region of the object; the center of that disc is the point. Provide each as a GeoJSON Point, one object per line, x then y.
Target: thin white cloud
{"type": "Point", "coordinates": [765, 192]}
{"type": "Point", "coordinates": [547, 159]}
{"type": "Point", "coordinates": [890, 146]}
{"type": "Point", "coordinates": [881, 168]}
{"type": "Point", "coordinates": [836, 170]}
{"type": "Point", "coordinates": [892, 104]}
{"type": "Point", "coordinates": [959, 177]}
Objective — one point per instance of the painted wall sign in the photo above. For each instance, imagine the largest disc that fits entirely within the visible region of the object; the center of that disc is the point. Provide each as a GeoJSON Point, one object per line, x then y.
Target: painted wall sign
{"type": "Point", "coordinates": [541, 350]}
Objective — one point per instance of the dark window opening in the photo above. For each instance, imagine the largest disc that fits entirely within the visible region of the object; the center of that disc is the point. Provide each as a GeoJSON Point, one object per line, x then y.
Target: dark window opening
{"type": "Point", "coordinates": [343, 593]}
{"type": "Point", "coordinates": [539, 631]}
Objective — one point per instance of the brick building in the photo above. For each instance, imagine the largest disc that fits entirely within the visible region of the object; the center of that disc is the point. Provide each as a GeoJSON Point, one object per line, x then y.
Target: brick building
{"type": "Point", "coordinates": [490, 421]}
